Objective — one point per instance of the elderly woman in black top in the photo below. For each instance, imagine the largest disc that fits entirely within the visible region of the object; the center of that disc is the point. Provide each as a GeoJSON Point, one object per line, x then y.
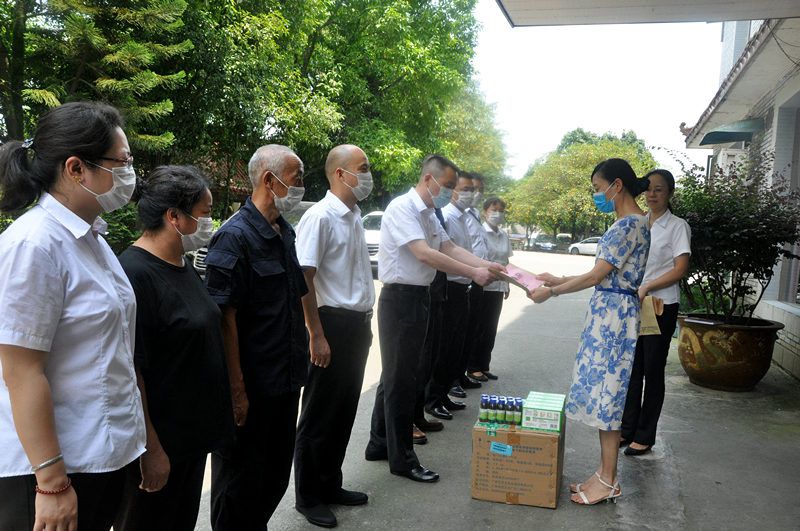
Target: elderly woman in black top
{"type": "Point", "coordinates": [179, 355]}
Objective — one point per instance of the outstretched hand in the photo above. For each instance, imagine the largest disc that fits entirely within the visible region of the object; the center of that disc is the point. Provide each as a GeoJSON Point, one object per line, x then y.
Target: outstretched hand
{"type": "Point", "coordinates": [550, 280]}
{"type": "Point", "coordinates": [540, 294]}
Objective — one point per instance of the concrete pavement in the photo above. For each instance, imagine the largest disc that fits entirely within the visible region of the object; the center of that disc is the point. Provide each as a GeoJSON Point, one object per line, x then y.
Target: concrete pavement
{"type": "Point", "coordinates": [722, 460]}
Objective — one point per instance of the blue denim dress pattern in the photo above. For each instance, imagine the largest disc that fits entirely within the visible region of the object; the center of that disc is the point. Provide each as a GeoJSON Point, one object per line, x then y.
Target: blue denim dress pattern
{"type": "Point", "coordinates": [608, 342]}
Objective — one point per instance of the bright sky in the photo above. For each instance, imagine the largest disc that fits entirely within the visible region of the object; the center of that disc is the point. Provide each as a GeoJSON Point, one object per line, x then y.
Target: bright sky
{"type": "Point", "coordinates": [546, 81]}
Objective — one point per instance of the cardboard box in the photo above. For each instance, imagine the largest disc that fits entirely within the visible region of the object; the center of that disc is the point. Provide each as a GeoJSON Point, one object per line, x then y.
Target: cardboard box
{"type": "Point", "coordinates": [543, 412]}
{"type": "Point", "coordinates": [516, 466]}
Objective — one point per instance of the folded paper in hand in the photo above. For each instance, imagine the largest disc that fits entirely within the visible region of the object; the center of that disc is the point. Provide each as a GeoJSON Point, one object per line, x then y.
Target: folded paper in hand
{"type": "Point", "coordinates": [519, 277]}
{"type": "Point", "coordinates": [651, 306]}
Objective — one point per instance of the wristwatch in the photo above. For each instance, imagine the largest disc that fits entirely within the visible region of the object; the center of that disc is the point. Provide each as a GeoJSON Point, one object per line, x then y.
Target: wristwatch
{"type": "Point", "coordinates": [552, 292]}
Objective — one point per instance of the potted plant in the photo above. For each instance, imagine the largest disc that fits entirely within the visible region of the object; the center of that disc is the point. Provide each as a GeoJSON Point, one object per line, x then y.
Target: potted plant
{"type": "Point", "coordinates": [743, 217]}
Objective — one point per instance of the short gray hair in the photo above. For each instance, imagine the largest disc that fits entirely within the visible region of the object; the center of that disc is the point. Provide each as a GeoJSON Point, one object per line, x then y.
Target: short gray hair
{"type": "Point", "coordinates": [271, 157]}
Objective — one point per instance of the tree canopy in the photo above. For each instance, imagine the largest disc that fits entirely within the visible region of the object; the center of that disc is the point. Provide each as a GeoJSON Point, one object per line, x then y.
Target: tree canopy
{"type": "Point", "coordinates": [555, 194]}
{"type": "Point", "coordinates": [206, 82]}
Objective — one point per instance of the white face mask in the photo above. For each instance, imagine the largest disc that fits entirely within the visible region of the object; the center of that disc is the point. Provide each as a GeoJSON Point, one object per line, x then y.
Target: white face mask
{"type": "Point", "coordinates": [464, 200]}
{"type": "Point", "coordinates": [476, 199]}
{"type": "Point", "coordinates": [495, 219]}
{"type": "Point", "coordinates": [200, 237]}
{"type": "Point", "coordinates": [124, 178]}
{"type": "Point", "coordinates": [292, 198]}
{"type": "Point", "coordinates": [362, 190]}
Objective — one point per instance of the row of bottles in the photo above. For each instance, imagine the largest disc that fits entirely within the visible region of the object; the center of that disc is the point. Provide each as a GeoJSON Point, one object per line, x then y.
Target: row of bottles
{"type": "Point", "coordinates": [501, 409]}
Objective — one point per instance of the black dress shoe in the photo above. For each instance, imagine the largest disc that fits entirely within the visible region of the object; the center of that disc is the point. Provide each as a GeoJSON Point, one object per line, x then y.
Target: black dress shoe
{"type": "Point", "coordinates": [457, 392]}
{"type": "Point", "coordinates": [440, 412]}
{"type": "Point", "coordinates": [637, 451]}
{"type": "Point", "coordinates": [452, 405]}
{"type": "Point", "coordinates": [419, 473]}
{"type": "Point", "coordinates": [319, 515]}
{"type": "Point", "coordinates": [429, 425]}
{"type": "Point", "coordinates": [346, 497]}
{"type": "Point", "coordinates": [490, 375]}
{"type": "Point", "coordinates": [469, 383]}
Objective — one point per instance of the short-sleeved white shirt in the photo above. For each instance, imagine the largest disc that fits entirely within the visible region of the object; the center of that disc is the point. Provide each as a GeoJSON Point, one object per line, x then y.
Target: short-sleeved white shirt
{"type": "Point", "coordinates": [330, 238]}
{"type": "Point", "coordinates": [407, 219]}
{"type": "Point", "coordinates": [476, 233]}
{"type": "Point", "coordinates": [63, 291]}
{"type": "Point", "coordinates": [456, 221]}
{"type": "Point", "coordinates": [670, 237]}
{"type": "Point", "coordinates": [499, 247]}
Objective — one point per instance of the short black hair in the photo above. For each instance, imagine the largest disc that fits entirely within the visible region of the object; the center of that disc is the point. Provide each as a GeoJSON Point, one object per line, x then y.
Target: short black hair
{"type": "Point", "coordinates": [180, 187]}
{"type": "Point", "coordinates": [494, 201]}
{"type": "Point", "coordinates": [436, 164]}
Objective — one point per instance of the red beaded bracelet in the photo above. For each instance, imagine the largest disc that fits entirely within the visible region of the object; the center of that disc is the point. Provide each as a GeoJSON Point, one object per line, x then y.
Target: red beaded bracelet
{"type": "Point", "coordinates": [56, 491]}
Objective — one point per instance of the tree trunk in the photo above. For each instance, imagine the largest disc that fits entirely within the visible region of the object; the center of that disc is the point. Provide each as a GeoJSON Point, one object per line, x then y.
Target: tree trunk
{"type": "Point", "coordinates": [15, 119]}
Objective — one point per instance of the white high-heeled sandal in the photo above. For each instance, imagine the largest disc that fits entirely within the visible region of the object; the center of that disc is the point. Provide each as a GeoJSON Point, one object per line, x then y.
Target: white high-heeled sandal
{"type": "Point", "coordinates": [614, 493]}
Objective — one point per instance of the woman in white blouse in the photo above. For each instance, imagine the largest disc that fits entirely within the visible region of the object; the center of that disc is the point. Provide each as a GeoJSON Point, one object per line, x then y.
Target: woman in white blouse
{"type": "Point", "coordinates": [667, 263]}
{"type": "Point", "coordinates": [70, 412]}
{"type": "Point", "coordinates": [499, 247]}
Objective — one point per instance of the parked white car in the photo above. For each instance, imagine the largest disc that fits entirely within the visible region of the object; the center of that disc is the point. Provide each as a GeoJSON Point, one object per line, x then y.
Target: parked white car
{"type": "Point", "coordinates": [372, 234]}
{"type": "Point", "coordinates": [587, 246]}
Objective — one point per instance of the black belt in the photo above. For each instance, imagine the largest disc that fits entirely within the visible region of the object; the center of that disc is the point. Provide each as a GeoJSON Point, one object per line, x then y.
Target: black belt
{"type": "Point", "coordinates": [458, 285]}
{"type": "Point", "coordinates": [407, 287]}
{"type": "Point", "coordinates": [350, 314]}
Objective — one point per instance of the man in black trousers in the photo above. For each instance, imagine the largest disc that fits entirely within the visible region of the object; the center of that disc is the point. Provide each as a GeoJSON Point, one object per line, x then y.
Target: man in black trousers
{"type": "Point", "coordinates": [252, 273]}
{"type": "Point", "coordinates": [413, 246]}
{"type": "Point", "coordinates": [338, 307]}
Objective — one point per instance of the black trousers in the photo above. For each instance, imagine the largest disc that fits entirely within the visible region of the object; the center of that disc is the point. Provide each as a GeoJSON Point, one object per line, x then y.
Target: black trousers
{"type": "Point", "coordinates": [448, 366]}
{"type": "Point", "coordinates": [330, 401]}
{"type": "Point", "coordinates": [402, 323]}
{"type": "Point", "coordinates": [174, 507]}
{"type": "Point", "coordinates": [640, 418]}
{"type": "Point", "coordinates": [99, 497]}
{"type": "Point", "coordinates": [430, 354]}
{"type": "Point", "coordinates": [473, 326]}
{"type": "Point", "coordinates": [481, 354]}
{"type": "Point", "coordinates": [249, 478]}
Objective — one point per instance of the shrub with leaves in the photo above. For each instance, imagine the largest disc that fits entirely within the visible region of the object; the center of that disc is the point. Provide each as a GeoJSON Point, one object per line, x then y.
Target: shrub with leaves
{"type": "Point", "coordinates": [743, 218]}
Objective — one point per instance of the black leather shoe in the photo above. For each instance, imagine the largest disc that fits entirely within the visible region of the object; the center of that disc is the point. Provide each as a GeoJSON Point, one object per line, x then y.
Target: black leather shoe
{"type": "Point", "coordinates": [419, 473]}
{"type": "Point", "coordinates": [452, 405]}
{"type": "Point", "coordinates": [457, 392]}
{"type": "Point", "coordinates": [440, 412]}
{"type": "Point", "coordinates": [490, 375]}
{"type": "Point", "coordinates": [347, 497]}
{"type": "Point", "coordinates": [319, 515]}
{"type": "Point", "coordinates": [634, 452]}
{"type": "Point", "coordinates": [469, 383]}
{"type": "Point", "coordinates": [429, 425]}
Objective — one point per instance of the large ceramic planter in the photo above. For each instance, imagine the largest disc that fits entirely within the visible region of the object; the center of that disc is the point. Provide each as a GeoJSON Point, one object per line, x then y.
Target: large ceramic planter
{"type": "Point", "coordinates": [729, 357]}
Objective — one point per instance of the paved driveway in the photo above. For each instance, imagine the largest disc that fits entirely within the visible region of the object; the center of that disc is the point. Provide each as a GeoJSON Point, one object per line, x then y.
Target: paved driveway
{"type": "Point", "coordinates": [722, 460]}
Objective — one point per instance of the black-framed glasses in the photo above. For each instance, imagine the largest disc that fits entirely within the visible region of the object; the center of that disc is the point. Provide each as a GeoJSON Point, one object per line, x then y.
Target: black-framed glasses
{"type": "Point", "coordinates": [125, 162]}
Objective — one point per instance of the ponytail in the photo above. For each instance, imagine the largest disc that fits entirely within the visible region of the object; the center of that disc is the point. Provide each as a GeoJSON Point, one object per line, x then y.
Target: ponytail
{"type": "Point", "coordinates": [19, 186]}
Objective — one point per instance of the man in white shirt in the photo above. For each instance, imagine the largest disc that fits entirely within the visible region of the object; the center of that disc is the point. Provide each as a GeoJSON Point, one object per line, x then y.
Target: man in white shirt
{"type": "Point", "coordinates": [338, 310]}
{"type": "Point", "coordinates": [413, 246]}
{"type": "Point", "coordinates": [447, 365]}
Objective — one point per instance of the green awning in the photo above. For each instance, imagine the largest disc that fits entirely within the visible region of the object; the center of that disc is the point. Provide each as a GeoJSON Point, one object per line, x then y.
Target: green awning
{"type": "Point", "coordinates": [741, 131]}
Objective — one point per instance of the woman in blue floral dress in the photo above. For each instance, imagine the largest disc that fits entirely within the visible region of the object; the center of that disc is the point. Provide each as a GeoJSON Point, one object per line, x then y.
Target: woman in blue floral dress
{"type": "Point", "coordinates": [608, 342]}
